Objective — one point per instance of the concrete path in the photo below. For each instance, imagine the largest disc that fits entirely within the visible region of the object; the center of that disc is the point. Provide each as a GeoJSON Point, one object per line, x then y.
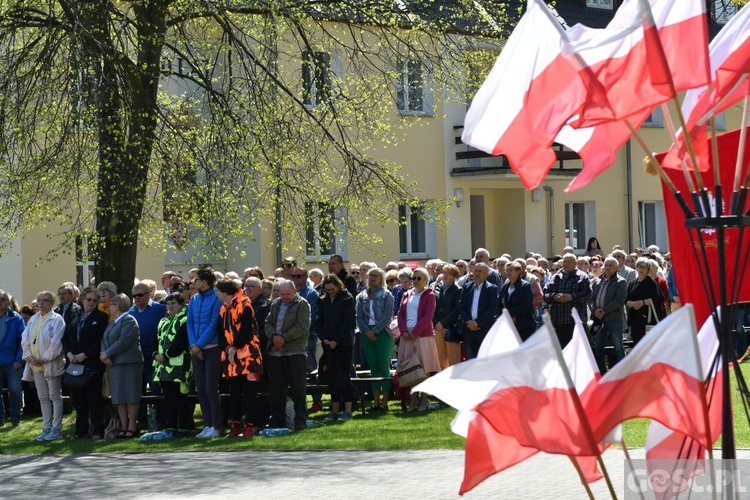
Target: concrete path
{"type": "Point", "coordinates": [290, 475]}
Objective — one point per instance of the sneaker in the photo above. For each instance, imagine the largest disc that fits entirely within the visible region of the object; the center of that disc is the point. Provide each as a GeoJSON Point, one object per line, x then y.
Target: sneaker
{"type": "Point", "coordinates": [236, 430]}
{"type": "Point", "coordinates": [41, 436]}
{"type": "Point", "coordinates": [346, 416]}
{"type": "Point", "coordinates": [202, 433]}
{"type": "Point", "coordinates": [211, 433]}
{"type": "Point", "coordinates": [316, 406]}
{"type": "Point", "coordinates": [249, 431]}
{"type": "Point", "coordinates": [332, 417]}
{"type": "Point", "coordinates": [53, 435]}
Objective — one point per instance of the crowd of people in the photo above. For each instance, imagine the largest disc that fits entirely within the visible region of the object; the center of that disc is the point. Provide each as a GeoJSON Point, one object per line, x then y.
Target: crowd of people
{"type": "Point", "coordinates": [215, 334]}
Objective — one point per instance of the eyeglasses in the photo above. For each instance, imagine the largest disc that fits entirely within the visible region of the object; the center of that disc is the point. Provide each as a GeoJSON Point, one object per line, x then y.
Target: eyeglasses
{"type": "Point", "coordinates": [140, 294]}
{"type": "Point", "coordinates": [418, 278]}
{"type": "Point", "coordinates": [355, 272]}
{"type": "Point", "coordinates": [287, 266]}
{"type": "Point", "coordinates": [298, 276]}
{"type": "Point", "coordinates": [392, 280]}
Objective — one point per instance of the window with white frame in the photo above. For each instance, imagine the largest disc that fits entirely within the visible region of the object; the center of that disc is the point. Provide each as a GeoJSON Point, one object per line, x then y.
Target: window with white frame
{"type": "Point", "coordinates": [84, 266]}
{"type": "Point", "coordinates": [417, 235]}
{"type": "Point", "coordinates": [316, 78]}
{"type": "Point", "coordinates": [580, 224]}
{"type": "Point", "coordinates": [600, 4]}
{"type": "Point", "coordinates": [723, 10]}
{"type": "Point", "coordinates": [324, 231]}
{"type": "Point", "coordinates": [413, 95]}
{"type": "Point", "coordinates": [655, 119]}
{"type": "Point", "coordinates": [652, 225]}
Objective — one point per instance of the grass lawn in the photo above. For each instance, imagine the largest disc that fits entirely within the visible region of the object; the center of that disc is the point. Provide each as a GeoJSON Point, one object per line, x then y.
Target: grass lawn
{"type": "Point", "coordinates": [394, 430]}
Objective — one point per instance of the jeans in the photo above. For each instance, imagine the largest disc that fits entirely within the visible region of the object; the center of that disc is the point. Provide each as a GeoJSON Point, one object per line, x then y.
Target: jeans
{"type": "Point", "coordinates": [610, 330]}
{"type": "Point", "coordinates": [206, 373]}
{"type": "Point", "coordinates": [12, 378]}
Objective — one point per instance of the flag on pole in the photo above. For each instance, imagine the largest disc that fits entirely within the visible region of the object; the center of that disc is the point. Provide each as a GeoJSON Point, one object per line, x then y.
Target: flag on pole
{"type": "Point", "coordinates": [729, 54]}
{"type": "Point", "coordinates": [529, 95]}
{"type": "Point", "coordinates": [627, 59]}
{"type": "Point", "coordinates": [663, 443]}
{"type": "Point", "coordinates": [687, 255]}
{"type": "Point", "coordinates": [660, 379]}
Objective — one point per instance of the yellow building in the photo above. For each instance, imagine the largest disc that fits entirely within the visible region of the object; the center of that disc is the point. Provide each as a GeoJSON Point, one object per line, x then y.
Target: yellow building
{"type": "Point", "coordinates": [489, 207]}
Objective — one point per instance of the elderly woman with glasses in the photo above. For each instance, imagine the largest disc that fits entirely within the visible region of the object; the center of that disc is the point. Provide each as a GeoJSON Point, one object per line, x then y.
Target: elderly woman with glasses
{"type": "Point", "coordinates": [374, 313]}
{"type": "Point", "coordinates": [447, 331]}
{"type": "Point", "coordinates": [121, 352]}
{"type": "Point", "coordinates": [82, 343]}
{"type": "Point", "coordinates": [41, 342]}
{"type": "Point", "coordinates": [415, 322]}
{"type": "Point", "coordinates": [644, 301]}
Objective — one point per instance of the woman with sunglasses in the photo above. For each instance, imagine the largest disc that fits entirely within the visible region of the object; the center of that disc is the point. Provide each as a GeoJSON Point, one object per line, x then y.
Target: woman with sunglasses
{"type": "Point", "coordinates": [415, 322]}
{"type": "Point", "coordinates": [374, 308]}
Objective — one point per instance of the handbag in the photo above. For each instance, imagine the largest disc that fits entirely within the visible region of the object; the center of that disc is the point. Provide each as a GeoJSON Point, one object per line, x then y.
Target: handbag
{"type": "Point", "coordinates": [411, 372]}
{"type": "Point", "coordinates": [652, 318]}
{"type": "Point", "coordinates": [392, 328]}
{"type": "Point", "coordinates": [76, 376]}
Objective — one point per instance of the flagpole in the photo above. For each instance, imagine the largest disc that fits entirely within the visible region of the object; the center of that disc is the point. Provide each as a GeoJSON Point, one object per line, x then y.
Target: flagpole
{"type": "Point", "coordinates": [577, 404]}
{"type": "Point", "coordinates": [689, 142]}
{"type": "Point", "coordinates": [741, 147]}
{"type": "Point", "coordinates": [664, 177]}
{"type": "Point", "coordinates": [585, 483]}
{"type": "Point", "coordinates": [673, 134]}
{"type": "Point", "coordinates": [632, 469]}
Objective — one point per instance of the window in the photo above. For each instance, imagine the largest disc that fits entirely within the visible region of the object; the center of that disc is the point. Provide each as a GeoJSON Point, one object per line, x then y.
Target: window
{"type": "Point", "coordinates": [84, 266]}
{"type": "Point", "coordinates": [580, 224]}
{"type": "Point", "coordinates": [723, 10]}
{"type": "Point", "coordinates": [416, 235]}
{"type": "Point", "coordinates": [412, 94]}
{"type": "Point", "coordinates": [655, 119]}
{"type": "Point", "coordinates": [600, 4]}
{"type": "Point", "coordinates": [652, 224]}
{"type": "Point", "coordinates": [322, 223]}
{"type": "Point", "coordinates": [316, 78]}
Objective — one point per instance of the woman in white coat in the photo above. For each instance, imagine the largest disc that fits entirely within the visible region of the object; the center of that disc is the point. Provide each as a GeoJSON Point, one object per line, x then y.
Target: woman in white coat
{"type": "Point", "coordinates": [45, 363]}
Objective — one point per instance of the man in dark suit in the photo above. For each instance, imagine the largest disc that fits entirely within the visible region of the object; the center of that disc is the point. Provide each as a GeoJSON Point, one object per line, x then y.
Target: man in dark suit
{"type": "Point", "coordinates": [477, 310]}
{"type": "Point", "coordinates": [609, 293]}
{"type": "Point", "coordinates": [67, 308]}
{"type": "Point", "coordinates": [82, 343]}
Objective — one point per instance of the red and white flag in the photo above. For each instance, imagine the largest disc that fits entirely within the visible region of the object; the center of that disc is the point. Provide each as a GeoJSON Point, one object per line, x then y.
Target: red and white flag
{"type": "Point", "coordinates": [729, 54]}
{"type": "Point", "coordinates": [627, 59]}
{"type": "Point", "coordinates": [682, 30]}
{"type": "Point", "coordinates": [529, 95]}
{"type": "Point", "coordinates": [663, 443]}
{"type": "Point", "coordinates": [661, 379]}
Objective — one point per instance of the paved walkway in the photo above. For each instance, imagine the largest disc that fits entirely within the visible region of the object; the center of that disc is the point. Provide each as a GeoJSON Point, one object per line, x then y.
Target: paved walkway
{"type": "Point", "coordinates": [293, 475]}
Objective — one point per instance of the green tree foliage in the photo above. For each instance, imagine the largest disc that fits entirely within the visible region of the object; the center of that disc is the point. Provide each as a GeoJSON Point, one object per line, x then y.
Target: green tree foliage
{"type": "Point", "coordinates": [149, 123]}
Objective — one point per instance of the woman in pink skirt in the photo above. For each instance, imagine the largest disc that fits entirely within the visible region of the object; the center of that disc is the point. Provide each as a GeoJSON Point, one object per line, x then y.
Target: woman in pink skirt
{"type": "Point", "coordinates": [415, 323]}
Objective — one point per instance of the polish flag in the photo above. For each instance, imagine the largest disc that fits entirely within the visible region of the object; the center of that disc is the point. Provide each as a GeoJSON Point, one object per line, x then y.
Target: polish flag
{"type": "Point", "coordinates": [628, 61]}
{"type": "Point", "coordinates": [529, 95]}
{"type": "Point", "coordinates": [729, 54]}
{"type": "Point", "coordinates": [533, 401]}
{"type": "Point", "coordinates": [457, 385]}
{"type": "Point", "coordinates": [502, 337]}
{"type": "Point", "coordinates": [682, 31]}
{"type": "Point", "coordinates": [661, 379]}
{"type": "Point", "coordinates": [664, 444]}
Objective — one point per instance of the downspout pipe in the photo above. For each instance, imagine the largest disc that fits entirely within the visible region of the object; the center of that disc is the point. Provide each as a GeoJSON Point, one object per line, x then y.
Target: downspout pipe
{"type": "Point", "coordinates": [629, 192]}
{"type": "Point", "coordinates": [551, 192]}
